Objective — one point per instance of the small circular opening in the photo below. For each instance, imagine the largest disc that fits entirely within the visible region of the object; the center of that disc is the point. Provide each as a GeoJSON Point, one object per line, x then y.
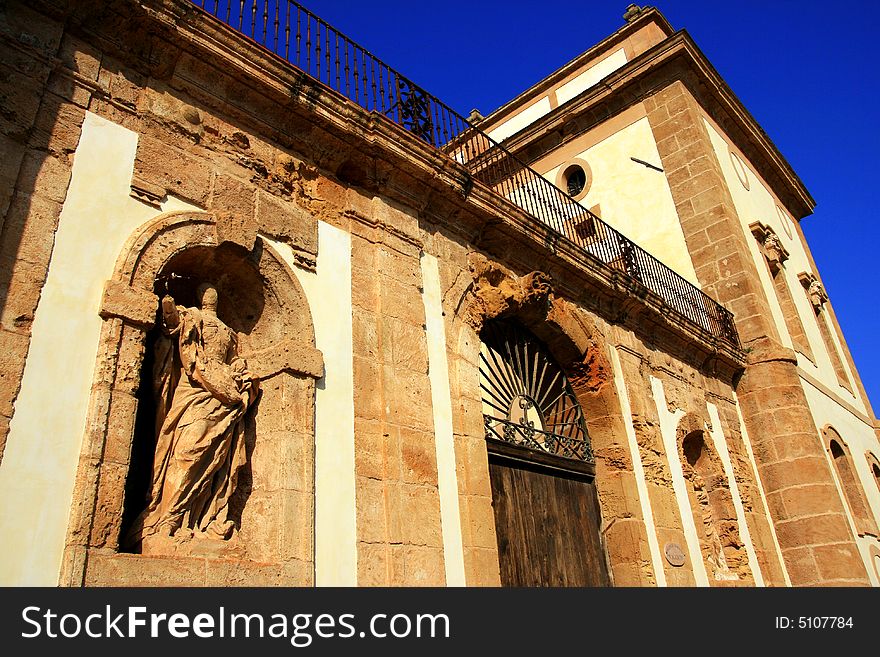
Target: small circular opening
{"type": "Point", "coordinates": [575, 180]}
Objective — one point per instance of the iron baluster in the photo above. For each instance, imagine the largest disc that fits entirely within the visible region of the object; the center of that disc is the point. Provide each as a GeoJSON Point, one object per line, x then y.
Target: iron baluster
{"type": "Point", "coordinates": [275, 27]}
{"type": "Point", "coordinates": [327, 29]}
{"type": "Point", "coordinates": [298, 36]}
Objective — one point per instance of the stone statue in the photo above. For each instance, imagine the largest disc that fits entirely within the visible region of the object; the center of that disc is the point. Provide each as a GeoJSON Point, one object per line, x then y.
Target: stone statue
{"type": "Point", "coordinates": [203, 390]}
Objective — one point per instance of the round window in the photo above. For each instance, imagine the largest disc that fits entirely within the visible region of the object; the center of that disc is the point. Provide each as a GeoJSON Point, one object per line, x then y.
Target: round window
{"type": "Point", "coordinates": [575, 180]}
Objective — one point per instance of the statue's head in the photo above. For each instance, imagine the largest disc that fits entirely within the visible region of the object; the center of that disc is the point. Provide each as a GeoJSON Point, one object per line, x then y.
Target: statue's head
{"type": "Point", "coordinates": [207, 296]}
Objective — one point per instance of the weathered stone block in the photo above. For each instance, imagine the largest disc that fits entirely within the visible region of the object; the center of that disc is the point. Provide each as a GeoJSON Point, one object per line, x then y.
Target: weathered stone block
{"type": "Point", "coordinates": [399, 267]}
{"type": "Point", "coordinates": [108, 507]}
{"type": "Point", "coordinates": [297, 526]}
{"type": "Point", "coordinates": [57, 127]}
{"type": "Point", "coordinates": [418, 455]}
{"type": "Point", "coordinates": [297, 456]}
{"type": "Point", "coordinates": [238, 229]}
{"type": "Point", "coordinates": [180, 174]}
{"type": "Point", "coordinates": [131, 304]}
{"type": "Point", "coordinates": [814, 530]}
{"type": "Point", "coordinates": [233, 196]}
{"type": "Point", "coordinates": [30, 235]}
{"type": "Point", "coordinates": [288, 222]}
{"type": "Point", "coordinates": [22, 295]}
{"type": "Point", "coordinates": [261, 522]}
{"type": "Point", "coordinates": [785, 474]}
{"type": "Point", "coordinates": [373, 564]}
{"type": "Point", "coordinates": [80, 57]}
{"type": "Point", "coordinates": [801, 566]}
{"type": "Point", "coordinates": [841, 561]}
{"type": "Point", "coordinates": [368, 390]}
{"type": "Point", "coordinates": [299, 403]}
{"type": "Point", "coordinates": [481, 567]}
{"type": "Point", "coordinates": [403, 302]}
{"type": "Point", "coordinates": [409, 348]}
{"type": "Point", "coordinates": [422, 566]}
{"type": "Point", "coordinates": [365, 334]}
{"type": "Point", "coordinates": [420, 512]}
{"type": "Point", "coordinates": [44, 175]}
{"type": "Point", "coordinates": [369, 449]}
{"type": "Point", "coordinates": [290, 356]}
{"type": "Point", "coordinates": [481, 518]}
{"type": "Point", "coordinates": [122, 409]}
{"type": "Point", "coordinates": [138, 570]}
{"type": "Point", "coordinates": [32, 29]}
{"type": "Point", "coordinates": [408, 398]}
{"type": "Point", "coordinates": [371, 510]}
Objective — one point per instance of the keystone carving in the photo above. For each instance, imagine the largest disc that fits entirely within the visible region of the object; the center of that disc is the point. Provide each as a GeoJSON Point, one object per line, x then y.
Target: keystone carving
{"type": "Point", "coordinates": [496, 292]}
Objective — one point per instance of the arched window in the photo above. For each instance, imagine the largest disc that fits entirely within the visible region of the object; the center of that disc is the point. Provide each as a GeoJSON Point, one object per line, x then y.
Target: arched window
{"type": "Point", "coordinates": [527, 399]}
{"type": "Point", "coordinates": [874, 464]}
{"type": "Point", "coordinates": [849, 482]}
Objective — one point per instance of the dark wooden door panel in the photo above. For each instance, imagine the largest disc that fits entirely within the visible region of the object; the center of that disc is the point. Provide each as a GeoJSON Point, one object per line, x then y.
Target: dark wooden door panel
{"type": "Point", "coordinates": [547, 524]}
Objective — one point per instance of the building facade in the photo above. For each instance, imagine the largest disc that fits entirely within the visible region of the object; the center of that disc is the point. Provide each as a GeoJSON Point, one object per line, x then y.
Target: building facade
{"type": "Point", "coordinates": [273, 315]}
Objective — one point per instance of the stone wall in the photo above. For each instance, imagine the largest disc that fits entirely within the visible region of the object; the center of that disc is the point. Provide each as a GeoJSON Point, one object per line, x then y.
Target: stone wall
{"type": "Point", "coordinates": [786, 444]}
{"type": "Point", "coordinates": [263, 155]}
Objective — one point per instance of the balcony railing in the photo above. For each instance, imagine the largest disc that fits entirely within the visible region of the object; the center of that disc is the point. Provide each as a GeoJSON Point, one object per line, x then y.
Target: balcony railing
{"type": "Point", "coordinates": [290, 31]}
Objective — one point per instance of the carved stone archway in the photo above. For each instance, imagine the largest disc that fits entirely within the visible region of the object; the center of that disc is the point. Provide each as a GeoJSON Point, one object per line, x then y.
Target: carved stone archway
{"type": "Point", "coordinates": [575, 342]}
{"type": "Point", "coordinates": [266, 305]}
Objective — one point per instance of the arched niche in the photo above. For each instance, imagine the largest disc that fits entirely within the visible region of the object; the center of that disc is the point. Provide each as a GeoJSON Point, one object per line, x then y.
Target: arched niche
{"type": "Point", "coordinates": [262, 301]}
{"type": "Point", "coordinates": [711, 502]}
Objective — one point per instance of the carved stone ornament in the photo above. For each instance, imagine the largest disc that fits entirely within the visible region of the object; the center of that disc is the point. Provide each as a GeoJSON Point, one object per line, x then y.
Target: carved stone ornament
{"type": "Point", "coordinates": [817, 295]}
{"type": "Point", "coordinates": [674, 554]}
{"type": "Point", "coordinates": [497, 292]}
{"type": "Point", "coordinates": [814, 289]}
{"type": "Point", "coordinates": [771, 245]}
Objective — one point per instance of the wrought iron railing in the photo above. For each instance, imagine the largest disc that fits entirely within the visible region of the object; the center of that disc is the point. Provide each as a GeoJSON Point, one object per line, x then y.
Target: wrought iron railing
{"type": "Point", "coordinates": [525, 434]}
{"type": "Point", "coordinates": [289, 30]}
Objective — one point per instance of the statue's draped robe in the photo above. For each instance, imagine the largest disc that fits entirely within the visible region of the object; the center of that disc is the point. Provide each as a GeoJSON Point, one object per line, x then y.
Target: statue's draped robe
{"type": "Point", "coordinates": [199, 407]}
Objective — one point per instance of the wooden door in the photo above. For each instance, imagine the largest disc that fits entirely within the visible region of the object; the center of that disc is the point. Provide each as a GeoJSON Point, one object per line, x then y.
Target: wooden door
{"type": "Point", "coordinates": [547, 522]}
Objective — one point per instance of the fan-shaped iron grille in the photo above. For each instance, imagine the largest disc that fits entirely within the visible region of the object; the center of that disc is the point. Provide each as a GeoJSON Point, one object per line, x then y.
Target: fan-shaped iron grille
{"type": "Point", "coordinates": [527, 399]}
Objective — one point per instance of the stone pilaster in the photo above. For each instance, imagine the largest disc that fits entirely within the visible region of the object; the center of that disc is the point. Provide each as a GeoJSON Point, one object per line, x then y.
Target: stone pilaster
{"type": "Point", "coordinates": [808, 514]}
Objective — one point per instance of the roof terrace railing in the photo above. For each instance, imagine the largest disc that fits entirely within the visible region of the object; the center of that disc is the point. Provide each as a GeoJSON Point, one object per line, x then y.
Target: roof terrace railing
{"type": "Point", "coordinates": [291, 31]}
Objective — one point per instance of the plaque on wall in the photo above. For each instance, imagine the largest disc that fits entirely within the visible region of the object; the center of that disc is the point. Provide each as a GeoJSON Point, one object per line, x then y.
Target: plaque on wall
{"type": "Point", "coordinates": [674, 554]}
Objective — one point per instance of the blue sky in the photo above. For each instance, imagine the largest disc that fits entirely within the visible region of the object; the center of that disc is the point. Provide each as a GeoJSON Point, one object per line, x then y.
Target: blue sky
{"type": "Point", "coordinates": [803, 69]}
